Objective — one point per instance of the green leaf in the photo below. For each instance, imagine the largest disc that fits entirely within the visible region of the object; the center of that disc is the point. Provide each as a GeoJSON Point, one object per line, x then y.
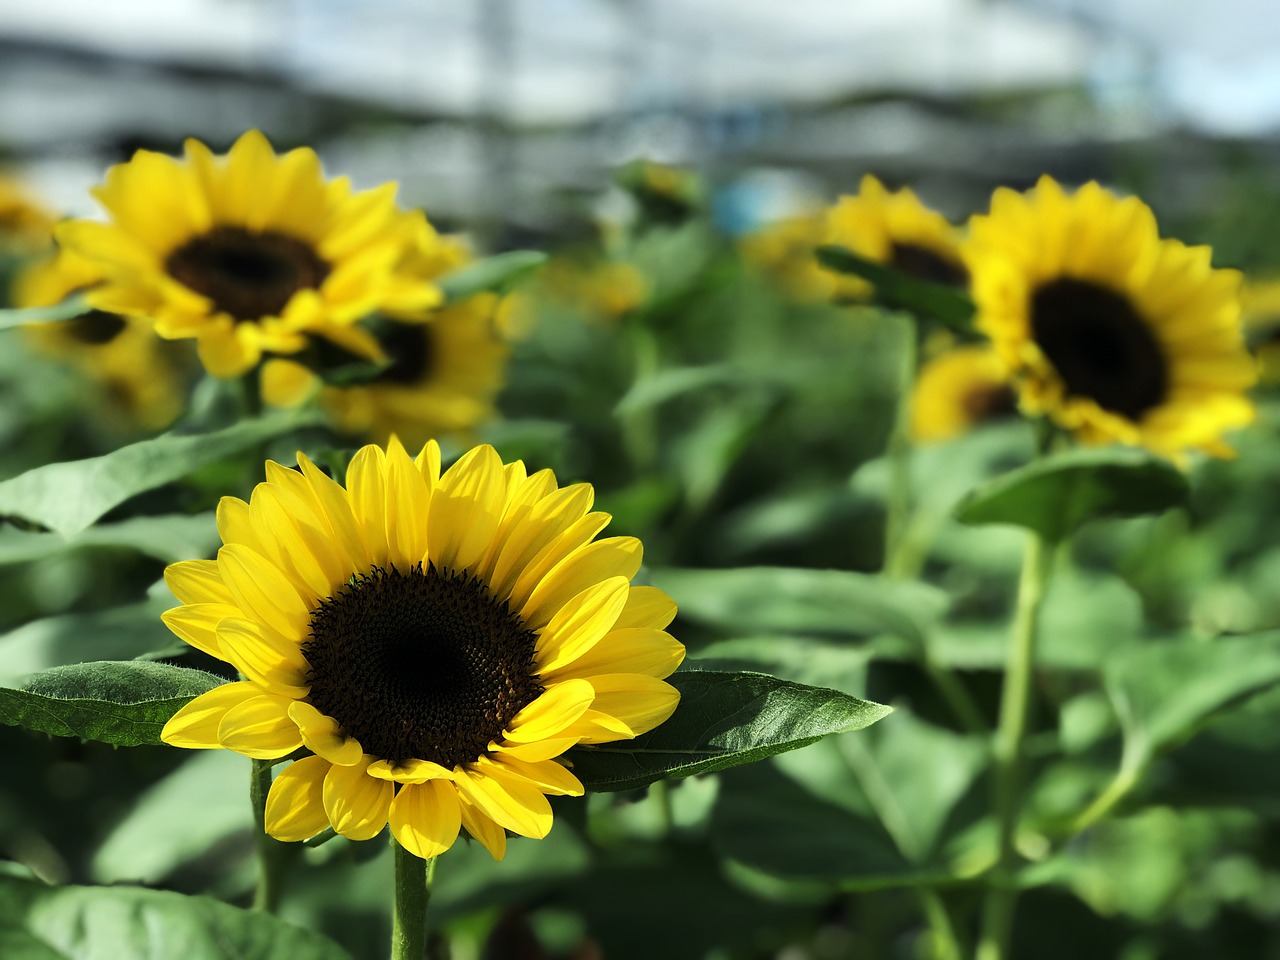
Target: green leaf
{"type": "Point", "coordinates": [900, 290]}
{"type": "Point", "coordinates": [1164, 692]}
{"type": "Point", "coordinates": [68, 497]}
{"type": "Point", "coordinates": [724, 720]}
{"type": "Point", "coordinates": [663, 385]}
{"type": "Point", "coordinates": [792, 600]}
{"type": "Point", "coordinates": [38, 922]}
{"type": "Point", "coordinates": [124, 703]}
{"type": "Point", "coordinates": [167, 538]}
{"type": "Point", "coordinates": [66, 310]}
{"type": "Point", "coordinates": [1058, 494]}
{"type": "Point", "coordinates": [491, 273]}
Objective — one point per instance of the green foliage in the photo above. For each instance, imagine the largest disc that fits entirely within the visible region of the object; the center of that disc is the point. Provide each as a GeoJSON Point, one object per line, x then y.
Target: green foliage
{"type": "Point", "coordinates": [69, 309]}
{"type": "Point", "coordinates": [724, 720]}
{"type": "Point", "coordinates": [901, 291]}
{"type": "Point", "coordinates": [68, 497]}
{"type": "Point", "coordinates": [1057, 495]}
{"type": "Point", "coordinates": [82, 923]}
{"type": "Point", "coordinates": [491, 273]}
{"type": "Point", "coordinates": [125, 704]}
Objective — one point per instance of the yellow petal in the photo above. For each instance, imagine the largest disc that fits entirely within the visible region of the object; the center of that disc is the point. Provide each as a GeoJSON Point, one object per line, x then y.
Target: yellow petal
{"type": "Point", "coordinates": [225, 353]}
{"type": "Point", "coordinates": [491, 836]}
{"type": "Point", "coordinates": [260, 728]}
{"type": "Point", "coordinates": [286, 383]}
{"type": "Point", "coordinates": [580, 624]}
{"type": "Point", "coordinates": [357, 804]}
{"type": "Point", "coordinates": [527, 578]}
{"type": "Point", "coordinates": [538, 750]}
{"type": "Point", "coordinates": [323, 736]}
{"type": "Point", "coordinates": [408, 504]}
{"type": "Point", "coordinates": [263, 592]}
{"type": "Point", "coordinates": [647, 607]}
{"type": "Point", "coordinates": [614, 557]}
{"type": "Point", "coordinates": [197, 581]}
{"type": "Point", "coordinates": [514, 804]}
{"type": "Point", "coordinates": [265, 657]}
{"type": "Point", "coordinates": [195, 726]}
{"type": "Point", "coordinates": [426, 818]}
{"type": "Point", "coordinates": [533, 530]}
{"type": "Point", "coordinates": [547, 775]}
{"type": "Point", "coordinates": [466, 509]}
{"type": "Point", "coordinates": [367, 491]}
{"type": "Point", "coordinates": [197, 624]}
{"type": "Point", "coordinates": [295, 808]}
{"type": "Point", "coordinates": [235, 524]}
{"type": "Point", "coordinates": [289, 543]}
{"type": "Point", "coordinates": [550, 714]}
{"type": "Point", "coordinates": [409, 771]}
{"type": "Point", "coordinates": [428, 463]}
{"type": "Point", "coordinates": [654, 653]}
{"type": "Point", "coordinates": [640, 703]}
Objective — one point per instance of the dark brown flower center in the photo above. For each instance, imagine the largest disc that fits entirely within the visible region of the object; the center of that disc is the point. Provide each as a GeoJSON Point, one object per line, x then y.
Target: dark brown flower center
{"type": "Point", "coordinates": [246, 274]}
{"type": "Point", "coordinates": [424, 664]}
{"type": "Point", "coordinates": [1100, 346]}
{"type": "Point", "coordinates": [411, 347]}
{"type": "Point", "coordinates": [95, 328]}
{"type": "Point", "coordinates": [925, 264]}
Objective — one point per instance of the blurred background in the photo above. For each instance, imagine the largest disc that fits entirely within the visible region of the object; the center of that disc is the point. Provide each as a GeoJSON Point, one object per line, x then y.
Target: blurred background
{"type": "Point", "coordinates": [509, 117]}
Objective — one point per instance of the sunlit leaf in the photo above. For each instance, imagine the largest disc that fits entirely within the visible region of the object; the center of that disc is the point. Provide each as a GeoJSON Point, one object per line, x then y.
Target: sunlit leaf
{"type": "Point", "coordinates": [724, 720]}
{"type": "Point", "coordinates": [68, 497]}
{"type": "Point", "coordinates": [1058, 494]}
{"type": "Point", "coordinates": [39, 922]}
{"type": "Point", "coordinates": [491, 273]}
{"type": "Point", "coordinates": [125, 703]}
{"type": "Point", "coordinates": [167, 538]}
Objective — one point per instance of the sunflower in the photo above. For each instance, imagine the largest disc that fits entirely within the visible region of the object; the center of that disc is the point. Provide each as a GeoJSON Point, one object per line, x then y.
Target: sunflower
{"type": "Point", "coordinates": [784, 251]}
{"type": "Point", "coordinates": [1114, 333]}
{"type": "Point", "coordinates": [435, 641]}
{"type": "Point", "coordinates": [898, 230]}
{"type": "Point", "coordinates": [143, 376]}
{"type": "Point", "coordinates": [957, 390]}
{"type": "Point", "coordinates": [25, 225]}
{"type": "Point", "coordinates": [445, 372]}
{"type": "Point", "coordinates": [248, 253]}
{"type": "Point", "coordinates": [1260, 303]}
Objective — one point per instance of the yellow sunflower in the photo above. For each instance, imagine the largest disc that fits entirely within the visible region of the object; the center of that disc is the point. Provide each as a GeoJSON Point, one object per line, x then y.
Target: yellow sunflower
{"type": "Point", "coordinates": [898, 230]}
{"type": "Point", "coordinates": [143, 376]}
{"type": "Point", "coordinates": [1260, 302]}
{"type": "Point", "coordinates": [445, 372]}
{"type": "Point", "coordinates": [248, 253]}
{"type": "Point", "coordinates": [1114, 333]}
{"type": "Point", "coordinates": [957, 390]}
{"type": "Point", "coordinates": [435, 641]}
{"type": "Point", "coordinates": [784, 251]}
{"type": "Point", "coordinates": [25, 225]}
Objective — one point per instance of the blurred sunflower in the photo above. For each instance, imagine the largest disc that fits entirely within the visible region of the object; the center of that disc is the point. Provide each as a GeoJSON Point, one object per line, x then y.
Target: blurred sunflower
{"type": "Point", "coordinates": [784, 250]}
{"type": "Point", "coordinates": [1260, 304]}
{"type": "Point", "coordinates": [248, 253]}
{"type": "Point", "coordinates": [1115, 334]}
{"type": "Point", "coordinates": [143, 376]}
{"type": "Point", "coordinates": [436, 641]}
{"type": "Point", "coordinates": [445, 372]}
{"type": "Point", "coordinates": [958, 390]}
{"type": "Point", "coordinates": [898, 230]}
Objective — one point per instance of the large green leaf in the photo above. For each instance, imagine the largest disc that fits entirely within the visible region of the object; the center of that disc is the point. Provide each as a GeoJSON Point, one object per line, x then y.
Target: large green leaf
{"type": "Point", "coordinates": [1058, 494]}
{"type": "Point", "coordinates": [1163, 692]}
{"type": "Point", "coordinates": [68, 497]}
{"type": "Point", "coordinates": [792, 600]}
{"type": "Point", "coordinates": [38, 922]}
{"type": "Point", "coordinates": [67, 310]}
{"type": "Point", "coordinates": [125, 703]}
{"type": "Point", "coordinates": [900, 290]}
{"type": "Point", "coordinates": [724, 720]}
{"type": "Point", "coordinates": [167, 538]}
{"type": "Point", "coordinates": [491, 273]}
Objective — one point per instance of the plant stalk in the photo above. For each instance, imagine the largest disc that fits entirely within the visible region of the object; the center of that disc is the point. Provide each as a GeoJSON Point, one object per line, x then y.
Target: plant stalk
{"type": "Point", "coordinates": [898, 453]}
{"type": "Point", "coordinates": [273, 856]}
{"type": "Point", "coordinates": [414, 877]}
{"type": "Point", "coordinates": [1015, 705]}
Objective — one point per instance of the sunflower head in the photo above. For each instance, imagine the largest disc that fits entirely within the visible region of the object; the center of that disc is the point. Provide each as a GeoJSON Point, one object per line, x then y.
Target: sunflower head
{"type": "Point", "coordinates": [958, 390]}
{"type": "Point", "coordinates": [142, 376]}
{"type": "Point", "coordinates": [895, 228]}
{"type": "Point", "coordinates": [436, 641]}
{"type": "Point", "coordinates": [247, 253]}
{"type": "Point", "coordinates": [783, 250]}
{"type": "Point", "coordinates": [1116, 334]}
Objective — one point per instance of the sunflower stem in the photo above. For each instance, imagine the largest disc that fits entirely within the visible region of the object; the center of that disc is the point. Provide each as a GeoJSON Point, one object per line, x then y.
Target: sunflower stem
{"type": "Point", "coordinates": [273, 856]}
{"type": "Point", "coordinates": [946, 946]}
{"type": "Point", "coordinates": [1015, 706]}
{"type": "Point", "coordinates": [414, 877]}
{"type": "Point", "coordinates": [898, 452]}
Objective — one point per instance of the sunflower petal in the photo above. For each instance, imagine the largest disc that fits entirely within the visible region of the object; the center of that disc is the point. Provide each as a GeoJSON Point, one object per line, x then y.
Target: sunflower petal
{"type": "Point", "coordinates": [647, 607]}
{"type": "Point", "coordinates": [491, 836]}
{"type": "Point", "coordinates": [509, 802]}
{"type": "Point", "coordinates": [197, 624]}
{"type": "Point", "coordinates": [639, 703]}
{"type": "Point", "coordinates": [263, 592]}
{"type": "Point", "coordinates": [426, 817]}
{"type": "Point", "coordinates": [197, 581]}
{"type": "Point", "coordinates": [654, 653]}
{"type": "Point", "coordinates": [295, 806]}
{"type": "Point", "coordinates": [408, 505]}
{"type": "Point", "coordinates": [195, 726]}
{"type": "Point", "coordinates": [580, 624]}
{"type": "Point", "coordinates": [264, 656]}
{"type": "Point", "coordinates": [614, 557]}
{"type": "Point", "coordinates": [357, 804]}
{"type": "Point", "coordinates": [260, 728]}
{"type": "Point", "coordinates": [323, 736]}
{"type": "Point", "coordinates": [409, 771]}
{"type": "Point", "coordinates": [553, 712]}
{"type": "Point", "coordinates": [367, 491]}
{"type": "Point", "coordinates": [547, 775]}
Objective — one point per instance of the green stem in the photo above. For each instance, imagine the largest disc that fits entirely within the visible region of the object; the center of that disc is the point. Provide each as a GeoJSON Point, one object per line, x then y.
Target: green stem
{"type": "Point", "coordinates": [945, 944]}
{"type": "Point", "coordinates": [1123, 782]}
{"type": "Point", "coordinates": [414, 877]}
{"type": "Point", "coordinates": [273, 856]}
{"type": "Point", "coordinates": [997, 921]}
{"type": "Point", "coordinates": [898, 500]}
